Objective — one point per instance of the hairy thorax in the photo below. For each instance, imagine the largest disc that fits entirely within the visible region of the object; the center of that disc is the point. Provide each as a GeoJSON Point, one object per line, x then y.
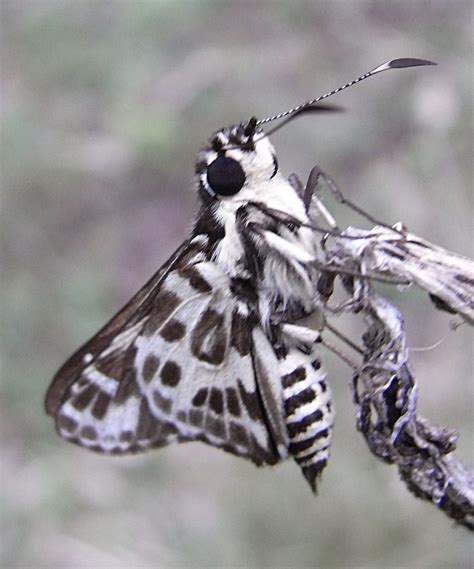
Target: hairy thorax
{"type": "Point", "coordinates": [278, 257]}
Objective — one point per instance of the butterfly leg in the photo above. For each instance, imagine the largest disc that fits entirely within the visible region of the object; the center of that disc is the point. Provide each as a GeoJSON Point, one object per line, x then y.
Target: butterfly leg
{"type": "Point", "coordinates": [309, 196]}
{"type": "Point", "coordinates": [311, 184]}
{"type": "Point", "coordinates": [296, 184]}
{"type": "Point", "coordinates": [341, 198]}
{"type": "Point", "coordinates": [307, 192]}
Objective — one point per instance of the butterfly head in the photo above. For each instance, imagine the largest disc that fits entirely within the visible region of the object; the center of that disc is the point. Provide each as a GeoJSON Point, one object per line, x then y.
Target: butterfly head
{"type": "Point", "coordinates": [236, 158]}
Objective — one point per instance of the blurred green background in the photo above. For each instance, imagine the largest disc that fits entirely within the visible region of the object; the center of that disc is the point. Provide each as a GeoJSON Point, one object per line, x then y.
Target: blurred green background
{"type": "Point", "coordinates": [104, 106]}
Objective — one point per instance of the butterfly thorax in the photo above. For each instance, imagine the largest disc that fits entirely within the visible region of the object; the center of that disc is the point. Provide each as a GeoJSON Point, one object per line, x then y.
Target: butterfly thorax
{"type": "Point", "coordinates": [251, 239]}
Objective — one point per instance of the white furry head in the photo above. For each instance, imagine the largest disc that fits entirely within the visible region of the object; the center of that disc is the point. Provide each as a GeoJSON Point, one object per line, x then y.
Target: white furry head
{"type": "Point", "coordinates": [237, 158]}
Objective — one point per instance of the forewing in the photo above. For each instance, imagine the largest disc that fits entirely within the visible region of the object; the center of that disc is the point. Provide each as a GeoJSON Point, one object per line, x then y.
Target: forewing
{"type": "Point", "coordinates": [118, 334]}
{"type": "Point", "coordinates": [193, 366]}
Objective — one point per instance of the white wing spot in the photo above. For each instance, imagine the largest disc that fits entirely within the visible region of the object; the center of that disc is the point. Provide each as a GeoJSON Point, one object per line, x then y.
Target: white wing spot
{"type": "Point", "coordinates": [87, 358]}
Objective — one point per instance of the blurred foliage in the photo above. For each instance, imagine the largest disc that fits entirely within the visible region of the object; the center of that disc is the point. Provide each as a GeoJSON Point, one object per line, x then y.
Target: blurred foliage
{"type": "Point", "coordinates": [104, 105]}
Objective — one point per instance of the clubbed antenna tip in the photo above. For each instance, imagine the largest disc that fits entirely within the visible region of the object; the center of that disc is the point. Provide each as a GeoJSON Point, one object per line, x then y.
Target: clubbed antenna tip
{"type": "Point", "coordinates": [402, 63]}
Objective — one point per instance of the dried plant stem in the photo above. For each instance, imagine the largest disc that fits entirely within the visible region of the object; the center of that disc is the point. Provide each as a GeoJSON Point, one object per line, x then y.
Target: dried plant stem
{"type": "Point", "coordinates": [384, 389]}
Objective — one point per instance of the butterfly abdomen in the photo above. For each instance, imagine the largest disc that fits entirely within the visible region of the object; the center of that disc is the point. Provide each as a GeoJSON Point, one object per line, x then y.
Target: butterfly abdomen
{"type": "Point", "coordinates": [309, 412]}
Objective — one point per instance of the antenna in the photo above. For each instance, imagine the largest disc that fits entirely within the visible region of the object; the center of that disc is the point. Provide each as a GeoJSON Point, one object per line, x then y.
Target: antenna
{"type": "Point", "coordinates": [393, 64]}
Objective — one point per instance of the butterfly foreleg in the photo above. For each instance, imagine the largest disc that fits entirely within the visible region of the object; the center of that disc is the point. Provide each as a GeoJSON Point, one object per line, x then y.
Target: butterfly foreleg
{"type": "Point", "coordinates": [339, 196]}
{"type": "Point", "coordinates": [296, 184]}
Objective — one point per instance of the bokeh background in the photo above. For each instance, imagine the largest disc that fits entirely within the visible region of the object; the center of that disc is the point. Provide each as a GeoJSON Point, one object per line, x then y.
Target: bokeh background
{"type": "Point", "coordinates": [104, 105]}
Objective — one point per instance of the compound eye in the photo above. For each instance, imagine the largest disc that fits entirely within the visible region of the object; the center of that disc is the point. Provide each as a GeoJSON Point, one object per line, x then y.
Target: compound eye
{"type": "Point", "coordinates": [225, 176]}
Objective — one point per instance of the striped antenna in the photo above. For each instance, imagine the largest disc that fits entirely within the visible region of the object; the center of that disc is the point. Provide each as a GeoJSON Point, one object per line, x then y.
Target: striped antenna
{"type": "Point", "coordinates": [393, 64]}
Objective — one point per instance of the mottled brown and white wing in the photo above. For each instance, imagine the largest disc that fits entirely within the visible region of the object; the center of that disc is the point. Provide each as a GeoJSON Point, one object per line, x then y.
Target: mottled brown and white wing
{"type": "Point", "coordinates": [126, 321]}
{"type": "Point", "coordinates": [182, 367]}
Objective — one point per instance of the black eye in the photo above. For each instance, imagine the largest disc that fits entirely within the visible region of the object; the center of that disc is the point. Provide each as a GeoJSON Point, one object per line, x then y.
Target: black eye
{"type": "Point", "coordinates": [225, 176]}
{"type": "Point", "coordinates": [275, 167]}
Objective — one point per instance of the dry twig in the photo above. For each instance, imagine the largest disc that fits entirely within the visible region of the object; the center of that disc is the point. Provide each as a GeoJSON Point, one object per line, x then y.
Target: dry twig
{"type": "Point", "coordinates": [385, 391]}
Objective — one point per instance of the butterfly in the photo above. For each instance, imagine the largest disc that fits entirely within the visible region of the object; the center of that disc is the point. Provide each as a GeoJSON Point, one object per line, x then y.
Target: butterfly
{"type": "Point", "coordinates": [214, 347]}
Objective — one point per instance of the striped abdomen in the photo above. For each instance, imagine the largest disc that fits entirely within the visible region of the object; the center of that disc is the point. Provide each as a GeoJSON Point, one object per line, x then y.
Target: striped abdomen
{"type": "Point", "coordinates": [309, 412]}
